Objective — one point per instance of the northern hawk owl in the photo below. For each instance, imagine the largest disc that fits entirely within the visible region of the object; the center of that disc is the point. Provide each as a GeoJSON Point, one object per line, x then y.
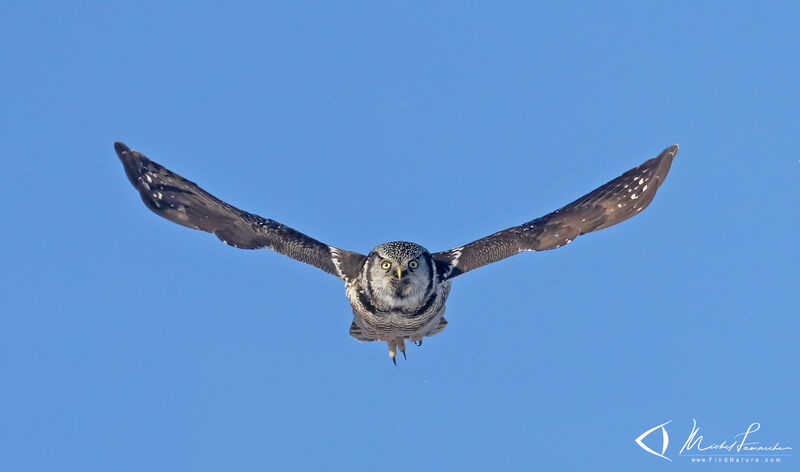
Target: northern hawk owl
{"type": "Point", "coordinates": [398, 290]}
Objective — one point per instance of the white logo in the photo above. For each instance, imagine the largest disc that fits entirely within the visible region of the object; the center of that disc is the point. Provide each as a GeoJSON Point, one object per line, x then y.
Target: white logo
{"type": "Point", "coordinates": [741, 447]}
{"type": "Point", "coordinates": [664, 440]}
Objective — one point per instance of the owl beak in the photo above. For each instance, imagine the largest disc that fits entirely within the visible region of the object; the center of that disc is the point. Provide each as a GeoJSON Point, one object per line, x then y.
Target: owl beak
{"type": "Point", "coordinates": [399, 273]}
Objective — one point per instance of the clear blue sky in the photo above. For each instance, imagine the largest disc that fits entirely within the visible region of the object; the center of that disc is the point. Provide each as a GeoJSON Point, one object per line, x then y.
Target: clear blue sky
{"type": "Point", "coordinates": [129, 343]}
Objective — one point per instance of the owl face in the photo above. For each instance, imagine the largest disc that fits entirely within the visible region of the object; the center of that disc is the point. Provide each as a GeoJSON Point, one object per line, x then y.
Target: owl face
{"type": "Point", "coordinates": [398, 275]}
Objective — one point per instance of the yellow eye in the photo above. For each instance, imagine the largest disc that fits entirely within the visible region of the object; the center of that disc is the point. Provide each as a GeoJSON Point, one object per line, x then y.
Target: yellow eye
{"type": "Point", "coordinates": [386, 265]}
{"type": "Point", "coordinates": [413, 264]}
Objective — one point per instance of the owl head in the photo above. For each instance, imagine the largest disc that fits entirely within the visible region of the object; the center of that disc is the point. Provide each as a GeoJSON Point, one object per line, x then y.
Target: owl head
{"type": "Point", "coordinates": [398, 275]}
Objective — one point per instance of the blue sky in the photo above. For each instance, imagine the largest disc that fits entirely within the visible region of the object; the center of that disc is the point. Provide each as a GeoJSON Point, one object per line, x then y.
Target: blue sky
{"type": "Point", "coordinates": [129, 343]}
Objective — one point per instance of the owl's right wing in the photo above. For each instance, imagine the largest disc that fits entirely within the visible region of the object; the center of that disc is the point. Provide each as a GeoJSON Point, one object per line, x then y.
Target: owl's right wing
{"type": "Point", "coordinates": [182, 201]}
{"type": "Point", "coordinates": [605, 206]}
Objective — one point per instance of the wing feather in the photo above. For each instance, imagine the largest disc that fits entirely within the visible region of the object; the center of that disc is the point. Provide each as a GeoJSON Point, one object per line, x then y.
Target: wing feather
{"type": "Point", "coordinates": [182, 201]}
{"type": "Point", "coordinates": [609, 204]}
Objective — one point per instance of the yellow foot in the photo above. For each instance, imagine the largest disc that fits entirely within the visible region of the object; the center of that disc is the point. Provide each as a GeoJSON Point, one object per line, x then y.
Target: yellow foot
{"type": "Point", "coordinates": [393, 348]}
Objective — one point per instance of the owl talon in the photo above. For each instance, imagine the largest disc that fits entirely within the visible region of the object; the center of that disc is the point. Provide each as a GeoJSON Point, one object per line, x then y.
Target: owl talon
{"type": "Point", "coordinates": [418, 343]}
{"type": "Point", "coordinates": [392, 351]}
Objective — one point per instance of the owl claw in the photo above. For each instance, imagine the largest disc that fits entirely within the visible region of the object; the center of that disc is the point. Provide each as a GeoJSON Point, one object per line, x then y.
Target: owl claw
{"type": "Point", "coordinates": [418, 343]}
{"type": "Point", "coordinates": [392, 351]}
{"type": "Point", "coordinates": [394, 347]}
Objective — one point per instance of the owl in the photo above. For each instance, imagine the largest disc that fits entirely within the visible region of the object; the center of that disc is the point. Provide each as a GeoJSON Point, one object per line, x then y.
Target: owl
{"type": "Point", "coordinates": [398, 290]}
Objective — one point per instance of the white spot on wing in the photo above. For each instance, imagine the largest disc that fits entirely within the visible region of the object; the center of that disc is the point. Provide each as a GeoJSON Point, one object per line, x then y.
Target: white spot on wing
{"type": "Point", "coordinates": [336, 258]}
{"type": "Point", "coordinates": [456, 256]}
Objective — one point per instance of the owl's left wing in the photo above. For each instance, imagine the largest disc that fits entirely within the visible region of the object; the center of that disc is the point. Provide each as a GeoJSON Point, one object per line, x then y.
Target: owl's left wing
{"type": "Point", "coordinates": [182, 201]}
{"type": "Point", "coordinates": [606, 206]}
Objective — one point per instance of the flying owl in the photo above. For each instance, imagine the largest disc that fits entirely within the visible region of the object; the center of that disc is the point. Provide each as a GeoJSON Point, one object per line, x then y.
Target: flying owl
{"type": "Point", "coordinates": [399, 289]}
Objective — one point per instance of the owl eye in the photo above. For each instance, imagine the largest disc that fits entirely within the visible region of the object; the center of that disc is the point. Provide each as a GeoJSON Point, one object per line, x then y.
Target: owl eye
{"type": "Point", "coordinates": [386, 265]}
{"type": "Point", "coordinates": [413, 264]}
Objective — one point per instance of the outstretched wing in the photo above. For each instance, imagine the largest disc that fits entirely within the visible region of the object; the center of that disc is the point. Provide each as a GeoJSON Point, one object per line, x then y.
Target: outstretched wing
{"type": "Point", "coordinates": [184, 202]}
{"type": "Point", "coordinates": [606, 206]}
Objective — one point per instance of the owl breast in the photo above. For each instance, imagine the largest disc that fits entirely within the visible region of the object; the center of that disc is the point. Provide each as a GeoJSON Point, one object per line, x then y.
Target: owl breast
{"type": "Point", "coordinates": [392, 318]}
